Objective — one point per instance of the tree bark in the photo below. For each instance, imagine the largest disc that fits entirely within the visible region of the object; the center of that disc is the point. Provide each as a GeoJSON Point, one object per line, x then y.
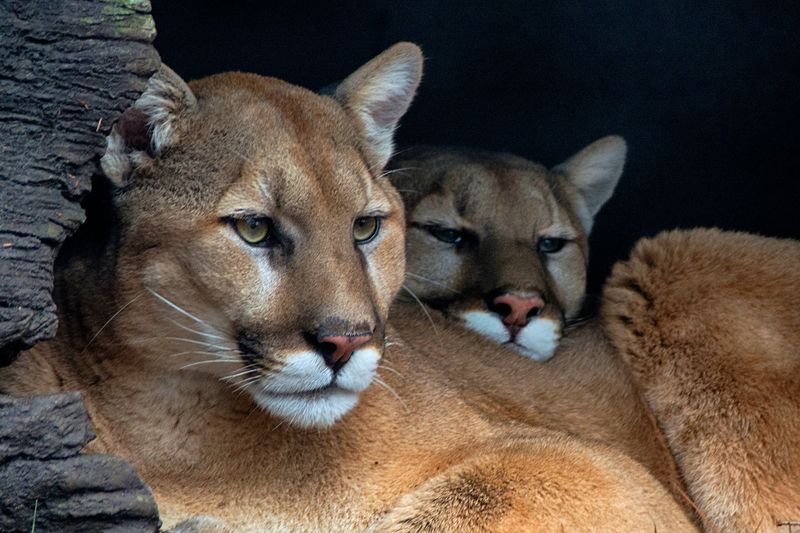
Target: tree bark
{"type": "Point", "coordinates": [68, 69]}
{"type": "Point", "coordinates": [46, 482]}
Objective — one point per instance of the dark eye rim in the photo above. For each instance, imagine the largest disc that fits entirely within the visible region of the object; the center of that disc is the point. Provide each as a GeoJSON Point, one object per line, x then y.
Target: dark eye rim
{"type": "Point", "coordinates": [375, 232]}
{"type": "Point", "coordinates": [268, 241]}
{"type": "Point", "coordinates": [448, 235]}
{"type": "Point", "coordinates": [559, 243]}
{"type": "Point", "coordinates": [461, 236]}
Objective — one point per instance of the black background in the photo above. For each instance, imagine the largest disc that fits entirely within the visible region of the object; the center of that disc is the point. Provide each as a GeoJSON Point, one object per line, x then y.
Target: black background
{"type": "Point", "coordinates": [707, 94]}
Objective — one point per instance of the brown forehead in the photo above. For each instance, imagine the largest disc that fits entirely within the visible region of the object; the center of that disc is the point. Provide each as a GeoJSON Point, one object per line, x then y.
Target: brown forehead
{"type": "Point", "coordinates": [489, 190]}
{"type": "Point", "coordinates": [299, 184]}
{"type": "Point", "coordinates": [292, 145]}
{"type": "Point", "coordinates": [485, 191]}
{"type": "Point", "coordinates": [267, 114]}
{"type": "Point", "coordinates": [238, 92]}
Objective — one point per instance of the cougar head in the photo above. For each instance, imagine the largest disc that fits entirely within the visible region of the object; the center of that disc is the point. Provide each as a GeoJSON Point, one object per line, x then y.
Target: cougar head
{"type": "Point", "coordinates": [499, 242]}
{"type": "Point", "coordinates": [254, 220]}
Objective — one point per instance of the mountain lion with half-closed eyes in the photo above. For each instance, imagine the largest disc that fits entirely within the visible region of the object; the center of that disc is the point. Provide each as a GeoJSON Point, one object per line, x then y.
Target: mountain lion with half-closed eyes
{"type": "Point", "coordinates": [228, 328]}
{"type": "Point", "coordinates": [498, 242]}
{"type": "Point", "coordinates": [703, 320]}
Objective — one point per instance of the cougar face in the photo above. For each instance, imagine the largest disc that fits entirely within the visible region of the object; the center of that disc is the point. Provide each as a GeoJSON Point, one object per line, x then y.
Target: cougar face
{"type": "Point", "coordinates": [499, 242]}
{"type": "Point", "coordinates": [258, 228]}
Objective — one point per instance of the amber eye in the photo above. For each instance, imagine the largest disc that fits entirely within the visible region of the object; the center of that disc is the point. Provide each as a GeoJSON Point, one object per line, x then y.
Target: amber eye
{"type": "Point", "coordinates": [253, 230]}
{"type": "Point", "coordinates": [365, 229]}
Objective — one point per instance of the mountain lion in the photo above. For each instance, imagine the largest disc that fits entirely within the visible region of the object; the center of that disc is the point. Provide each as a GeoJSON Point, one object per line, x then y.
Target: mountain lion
{"type": "Point", "coordinates": [703, 319]}
{"type": "Point", "coordinates": [226, 324]}
{"type": "Point", "coordinates": [500, 243]}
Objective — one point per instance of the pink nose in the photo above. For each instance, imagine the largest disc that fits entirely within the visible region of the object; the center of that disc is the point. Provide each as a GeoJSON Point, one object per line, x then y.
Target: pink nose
{"type": "Point", "coordinates": [516, 310]}
{"type": "Point", "coordinates": [344, 346]}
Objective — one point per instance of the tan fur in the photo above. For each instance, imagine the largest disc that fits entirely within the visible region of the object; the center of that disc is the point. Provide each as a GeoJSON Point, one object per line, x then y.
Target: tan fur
{"type": "Point", "coordinates": [708, 322]}
{"type": "Point", "coordinates": [585, 390]}
{"type": "Point", "coordinates": [426, 446]}
{"type": "Point", "coordinates": [503, 205]}
{"type": "Point", "coordinates": [506, 202]}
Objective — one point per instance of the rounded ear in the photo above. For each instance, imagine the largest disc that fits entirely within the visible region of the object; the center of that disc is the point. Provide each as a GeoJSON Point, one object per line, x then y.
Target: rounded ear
{"type": "Point", "coordinates": [595, 171]}
{"type": "Point", "coordinates": [378, 94]}
{"type": "Point", "coordinates": [147, 128]}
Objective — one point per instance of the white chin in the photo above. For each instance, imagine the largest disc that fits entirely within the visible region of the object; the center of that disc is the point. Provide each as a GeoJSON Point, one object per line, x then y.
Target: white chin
{"type": "Point", "coordinates": [301, 392]}
{"type": "Point", "coordinates": [487, 324]}
{"type": "Point", "coordinates": [530, 354]}
{"type": "Point", "coordinates": [318, 409]}
{"type": "Point", "coordinates": [538, 340]}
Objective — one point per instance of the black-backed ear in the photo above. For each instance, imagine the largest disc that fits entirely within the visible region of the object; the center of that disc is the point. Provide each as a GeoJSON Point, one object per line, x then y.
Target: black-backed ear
{"type": "Point", "coordinates": [147, 128]}
{"type": "Point", "coordinates": [378, 94]}
{"type": "Point", "coordinates": [595, 171]}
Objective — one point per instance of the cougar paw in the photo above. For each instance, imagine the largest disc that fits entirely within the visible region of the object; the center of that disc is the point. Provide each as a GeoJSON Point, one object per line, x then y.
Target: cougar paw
{"type": "Point", "coordinates": [627, 314]}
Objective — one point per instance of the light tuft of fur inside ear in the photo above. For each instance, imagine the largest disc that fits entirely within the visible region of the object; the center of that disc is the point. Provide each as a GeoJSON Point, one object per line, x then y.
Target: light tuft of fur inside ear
{"type": "Point", "coordinates": [148, 127]}
{"type": "Point", "coordinates": [115, 163]}
{"type": "Point", "coordinates": [595, 172]}
{"type": "Point", "coordinates": [165, 98]}
{"type": "Point", "coordinates": [378, 94]}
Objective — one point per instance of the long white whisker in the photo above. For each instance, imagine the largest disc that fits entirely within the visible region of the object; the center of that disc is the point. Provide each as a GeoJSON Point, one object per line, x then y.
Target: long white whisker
{"type": "Point", "coordinates": [142, 340]}
{"type": "Point", "coordinates": [198, 352]}
{"type": "Point", "coordinates": [175, 306]}
{"type": "Point", "coordinates": [239, 374]}
{"type": "Point", "coordinates": [424, 309]}
{"type": "Point", "coordinates": [432, 282]}
{"type": "Point", "coordinates": [201, 343]}
{"type": "Point", "coordinates": [391, 390]}
{"type": "Point", "coordinates": [115, 315]}
{"type": "Point", "coordinates": [241, 386]}
{"type": "Point", "coordinates": [246, 379]}
{"type": "Point", "coordinates": [392, 171]}
{"type": "Point", "coordinates": [390, 369]}
{"type": "Point", "coordinates": [228, 361]}
{"type": "Point", "coordinates": [204, 334]}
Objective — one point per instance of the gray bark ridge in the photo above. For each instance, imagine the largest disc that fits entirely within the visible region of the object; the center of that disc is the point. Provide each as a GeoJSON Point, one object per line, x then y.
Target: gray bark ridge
{"type": "Point", "coordinates": [46, 482]}
{"type": "Point", "coordinates": [68, 69]}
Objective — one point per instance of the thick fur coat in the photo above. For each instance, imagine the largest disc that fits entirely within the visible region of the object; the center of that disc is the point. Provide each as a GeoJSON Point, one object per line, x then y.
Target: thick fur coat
{"type": "Point", "coordinates": [708, 323]}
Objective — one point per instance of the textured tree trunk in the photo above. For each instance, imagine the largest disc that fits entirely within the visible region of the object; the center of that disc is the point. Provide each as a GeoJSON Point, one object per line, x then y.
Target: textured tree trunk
{"type": "Point", "coordinates": [46, 482]}
{"type": "Point", "coordinates": [68, 68]}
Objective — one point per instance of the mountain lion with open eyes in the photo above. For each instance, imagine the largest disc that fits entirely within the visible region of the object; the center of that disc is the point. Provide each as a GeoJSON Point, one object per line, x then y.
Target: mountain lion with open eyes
{"type": "Point", "coordinates": [227, 326]}
{"type": "Point", "coordinates": [500, 243]}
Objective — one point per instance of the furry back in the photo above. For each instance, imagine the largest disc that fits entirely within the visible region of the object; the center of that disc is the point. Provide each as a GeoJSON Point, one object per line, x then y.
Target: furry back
{"type": "Point", "coordinates": [708, 322]}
